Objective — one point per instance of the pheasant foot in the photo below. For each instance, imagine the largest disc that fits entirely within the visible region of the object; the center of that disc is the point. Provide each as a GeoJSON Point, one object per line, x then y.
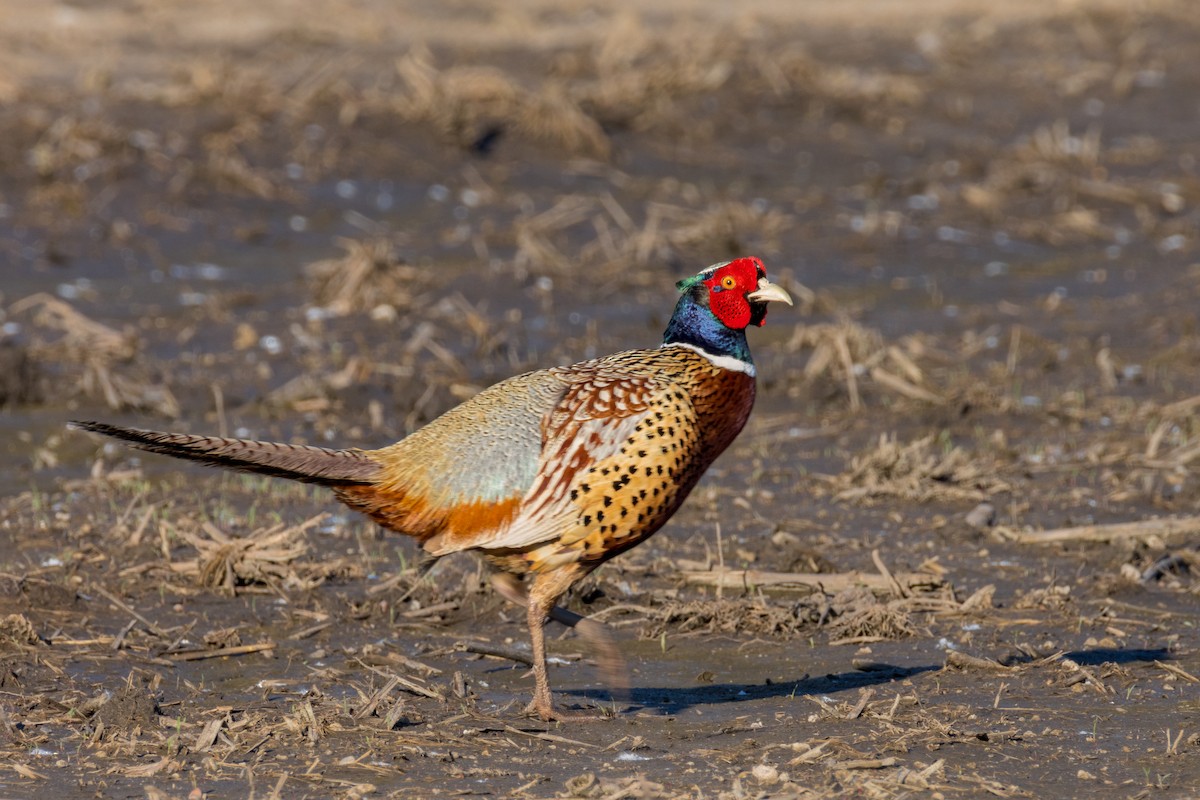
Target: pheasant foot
{"type": "Point", "coordinates": [552, 713]}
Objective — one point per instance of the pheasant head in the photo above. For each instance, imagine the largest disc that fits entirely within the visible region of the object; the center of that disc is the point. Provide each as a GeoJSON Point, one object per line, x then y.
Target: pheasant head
{"type": "Point", "coordinates": [719, 303]}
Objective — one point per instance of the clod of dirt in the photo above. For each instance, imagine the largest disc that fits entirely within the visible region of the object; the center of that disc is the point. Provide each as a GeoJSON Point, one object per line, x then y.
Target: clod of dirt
{"type": "Point", "coordinates": [1176, 565]}
{"type": "Point", "coordinates": [39, 594]}
{"type": "Point", "coordinates": [981, 516]}
{"type": "Point", "coordinates": [20, 378]}
{"type": "Point", "coordinates": [223, 637]}
{"type": "Point", "coordinates": [131, 707]}
{"type": "Point", "coordinates": [1048, 597]}
{"type": "Point", "coordinates": [10, 681]}
{"type": "Point", "coordinates": [798, 558]}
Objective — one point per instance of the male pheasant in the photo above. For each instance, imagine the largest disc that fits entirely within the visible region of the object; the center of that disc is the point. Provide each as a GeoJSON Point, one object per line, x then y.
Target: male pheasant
{"type": "Point", "coordinates": [551, 473]}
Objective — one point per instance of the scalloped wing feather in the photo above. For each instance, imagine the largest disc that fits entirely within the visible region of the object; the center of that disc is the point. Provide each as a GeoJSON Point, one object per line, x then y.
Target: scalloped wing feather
{"type": "Point", "coordinates": [590, 436]}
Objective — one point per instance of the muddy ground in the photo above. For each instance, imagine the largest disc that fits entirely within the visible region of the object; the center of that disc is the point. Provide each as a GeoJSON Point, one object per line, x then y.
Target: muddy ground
{"type": "Point", "coordinates": [328, 224]}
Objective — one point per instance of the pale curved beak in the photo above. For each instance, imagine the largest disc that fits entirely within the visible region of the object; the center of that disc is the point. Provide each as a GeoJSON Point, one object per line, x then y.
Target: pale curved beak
{"type": "Point", "coordinates": [768, 291]}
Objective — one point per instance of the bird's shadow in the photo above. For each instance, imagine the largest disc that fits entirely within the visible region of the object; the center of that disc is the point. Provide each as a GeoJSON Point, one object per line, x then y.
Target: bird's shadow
{"type": "Point", "coordinates": [1107, 655]}
{"type": "Point", "coordinates": [673, 700]}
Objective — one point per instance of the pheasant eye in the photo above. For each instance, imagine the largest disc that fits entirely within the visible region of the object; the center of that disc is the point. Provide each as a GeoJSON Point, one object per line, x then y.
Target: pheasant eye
{"type": "Point", "coordinates": [728, 282]}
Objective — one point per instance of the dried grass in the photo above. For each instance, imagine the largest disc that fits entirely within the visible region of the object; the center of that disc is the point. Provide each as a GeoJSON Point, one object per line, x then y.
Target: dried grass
{"type": "Point", "coordinates": [1049, 597]}
{"type": "Point", "coordinates": [588, 786]}
{"type": "Point", "coordinates": [726, 228]}
{"type": "Point", "coordinates": [882, 610]}
{"type": "Point", "coordinates": [536, 233]}
{"type": "Point", "coordinates": [850, 354]}
{"type": "Point", "coordinates": [747, 616]}
{"type": "Point", "coordinates": [266, 558]}
{"type": "Point", "coordinates": [668, 233]}
{"type": "Point", "coordinates": [230, 170]}
{"type": "Point", "coordinates": [370, 275]}
{"type": "Point", "coordinates": [1053, 185]}
{"type": "Point", "coordinates": [16, 629]}
{"type": "Point", "coordinates": [464, 103]}
{"type": "Point", "coordinates": [923, 470]}
{"type": "Point", "coordinates": [101, 357]}
{"type": "Point", "coordinates": [80, 337]}
{"type": "Point", "coordinates": [634, 75]}
{"type": "Point", "coordinates": [867, 92]}
{"type": "Point", "coordinates": [71, 149]}
{"type": "Point", "coordinates": [859, 614]}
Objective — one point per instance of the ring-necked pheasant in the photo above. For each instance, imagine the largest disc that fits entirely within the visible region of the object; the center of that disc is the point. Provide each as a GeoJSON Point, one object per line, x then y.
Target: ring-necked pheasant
{"type": "Point", "coordinates": [551, 473]}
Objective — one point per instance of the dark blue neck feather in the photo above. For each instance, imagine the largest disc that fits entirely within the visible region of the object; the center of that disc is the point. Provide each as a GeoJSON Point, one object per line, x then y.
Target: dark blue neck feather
{"type": "Point", "coordinates": [695, 324]}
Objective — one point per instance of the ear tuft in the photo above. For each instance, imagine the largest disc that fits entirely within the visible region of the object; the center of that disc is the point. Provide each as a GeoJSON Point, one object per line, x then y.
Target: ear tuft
{"type": "Point", "coordinates": [687, 284]}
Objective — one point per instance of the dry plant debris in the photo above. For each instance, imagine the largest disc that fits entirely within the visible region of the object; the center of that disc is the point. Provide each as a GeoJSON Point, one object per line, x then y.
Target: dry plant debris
{"type": "Point", "coordinates": [859, 615]}
{"type": "Point", "coordinates": [1140, 529]}
{"type": "Point", "coordinates": [471, 104]}
{"type": "Point", "coordinates": [875, 95]}
{"type": "Point", "coordinates": [668, 232]}
{"type": "Point", "coordinates": [104, 357]}
{"type": "Point", "coordinates": [922, 470]}
{"type": "Point", "coordinates": [16, 629]}
{"type": "Point", "coordinates": [832, 582]}
{"type": "Point", "coordinates": [634, 75]}
{"type": "Point", "coordinates": [369, 276]}
{"type": "Point", "coordinates": [742, 615]}
{"type": "Point", "coordinates": [848, 353]}
{"type": "Point", "coordinates": [857, 606]}
{"type": "Point", "coordinates": [1060, 169]}
{"type": "Point", "coordinates": [268, 557]}
{"type": "Point", "coordinates": [720, 230]}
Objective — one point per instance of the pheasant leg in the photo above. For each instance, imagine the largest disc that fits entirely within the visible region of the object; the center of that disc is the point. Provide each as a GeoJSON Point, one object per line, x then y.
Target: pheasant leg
{"type": "Point", "coordinates": [547, 588]}
{"type": "Point", "coordinates": [598, 635]}
{"type": "Point", "coordinates": [542, 702]}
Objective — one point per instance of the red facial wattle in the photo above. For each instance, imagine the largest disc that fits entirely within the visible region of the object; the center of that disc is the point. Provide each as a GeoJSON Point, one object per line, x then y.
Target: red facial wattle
{"type": "Point", "coordinates": [728, 288]}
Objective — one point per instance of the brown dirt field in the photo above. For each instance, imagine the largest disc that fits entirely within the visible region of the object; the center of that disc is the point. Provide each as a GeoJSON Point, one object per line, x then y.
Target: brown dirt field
{"type": "Point", "coordinates": [953, 554]}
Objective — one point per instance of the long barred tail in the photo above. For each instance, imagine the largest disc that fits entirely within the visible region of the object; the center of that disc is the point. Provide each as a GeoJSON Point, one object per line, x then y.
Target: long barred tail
{"type": "Point", "coordinates": [298, 462]}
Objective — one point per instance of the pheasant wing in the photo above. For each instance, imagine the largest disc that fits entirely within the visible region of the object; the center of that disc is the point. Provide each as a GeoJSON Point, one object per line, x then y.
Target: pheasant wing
{"type": "Point", "coordinates": [613, 448]}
